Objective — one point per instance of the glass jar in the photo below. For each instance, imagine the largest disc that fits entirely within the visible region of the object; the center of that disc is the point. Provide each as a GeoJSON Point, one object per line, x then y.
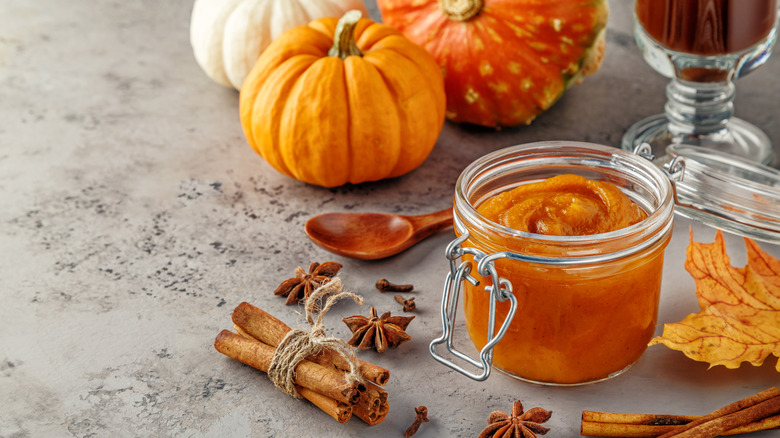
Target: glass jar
{"type": "Point", "coordinates": [567, 309]}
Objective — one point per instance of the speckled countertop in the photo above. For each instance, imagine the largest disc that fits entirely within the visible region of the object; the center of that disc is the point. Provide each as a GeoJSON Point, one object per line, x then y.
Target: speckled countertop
{"type": "Point", "coordinates": [134, 217]}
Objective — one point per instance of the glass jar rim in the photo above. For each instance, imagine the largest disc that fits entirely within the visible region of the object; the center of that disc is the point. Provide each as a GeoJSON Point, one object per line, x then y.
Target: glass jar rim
{"type": "Point", "coordinates": [550, 152]}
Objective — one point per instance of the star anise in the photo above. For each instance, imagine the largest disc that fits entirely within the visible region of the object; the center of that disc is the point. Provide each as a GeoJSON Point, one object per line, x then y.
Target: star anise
{"type": "Point", "coordinates": [518, 425]}
{"type": "Point", "coordinates": [379, 333]}
{"type": "Point", "coordinates": [303, 284]}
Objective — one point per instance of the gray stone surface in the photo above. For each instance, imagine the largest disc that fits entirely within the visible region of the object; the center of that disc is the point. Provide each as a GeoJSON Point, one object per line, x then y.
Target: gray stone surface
{"type": "Point", "coordinates": [134, 217]}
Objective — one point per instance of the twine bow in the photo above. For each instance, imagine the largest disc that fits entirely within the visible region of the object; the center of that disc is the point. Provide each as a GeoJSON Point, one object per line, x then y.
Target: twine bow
{"type": "Point", "coordinates": [299, 344]}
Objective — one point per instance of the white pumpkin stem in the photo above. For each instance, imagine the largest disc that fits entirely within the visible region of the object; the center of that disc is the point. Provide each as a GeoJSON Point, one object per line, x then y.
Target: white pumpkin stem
{"type": "Point", "coordinates": [461, 10]}
{"type": "Point", "coordinates": [344, 44]}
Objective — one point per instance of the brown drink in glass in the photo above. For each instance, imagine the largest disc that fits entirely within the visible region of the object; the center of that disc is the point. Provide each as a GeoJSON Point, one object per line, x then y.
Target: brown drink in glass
{"type": "Point", "coordinates": [707, 27]}
{"type": "Point", "coordinates": [703, 46]}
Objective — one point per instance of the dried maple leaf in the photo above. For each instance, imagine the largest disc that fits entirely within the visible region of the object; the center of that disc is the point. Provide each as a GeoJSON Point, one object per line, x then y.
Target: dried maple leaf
{"type": "Point", "coordinates": [740, 316]}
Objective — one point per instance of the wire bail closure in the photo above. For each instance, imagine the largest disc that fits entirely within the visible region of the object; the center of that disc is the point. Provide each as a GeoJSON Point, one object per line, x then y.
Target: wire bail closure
{"type": "Point", "coordinates": [500, 291]}
{"type": "Point", "coordinates": [675, 170]}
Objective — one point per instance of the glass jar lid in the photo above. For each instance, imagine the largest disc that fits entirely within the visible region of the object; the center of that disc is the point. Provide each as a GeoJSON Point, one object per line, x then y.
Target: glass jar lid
{"type": "Point", "coordinates": [725, 191]}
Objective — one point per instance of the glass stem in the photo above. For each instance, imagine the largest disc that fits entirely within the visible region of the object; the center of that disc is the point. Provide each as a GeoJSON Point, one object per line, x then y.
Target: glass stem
{"type": "Point", "coordinates": [699, 109]}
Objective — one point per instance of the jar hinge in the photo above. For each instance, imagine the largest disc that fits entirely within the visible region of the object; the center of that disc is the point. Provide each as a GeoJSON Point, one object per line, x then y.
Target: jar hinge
{"type": "Point", "coordinates": [675, 170]}
{"type": "Point", "coordinates": [449, 305]}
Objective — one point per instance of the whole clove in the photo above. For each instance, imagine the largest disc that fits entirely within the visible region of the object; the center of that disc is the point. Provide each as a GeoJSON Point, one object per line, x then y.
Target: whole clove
{"type": "Point", "coordinates": [421, 415]}
{"type": "Point", "coordinates": [385, 286]}
{"type": "Point", "coordinates": [407, 303]}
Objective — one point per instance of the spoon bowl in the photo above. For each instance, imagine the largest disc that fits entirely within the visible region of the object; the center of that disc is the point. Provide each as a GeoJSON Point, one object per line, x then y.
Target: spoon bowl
{"type": "Point", "coordinates": [372, 236]}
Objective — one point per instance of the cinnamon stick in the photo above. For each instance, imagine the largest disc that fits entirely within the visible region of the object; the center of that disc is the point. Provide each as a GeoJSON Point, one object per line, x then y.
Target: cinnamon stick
{"type": "Point", "coordinates": [717, 426]}
{"type": "Point", "coordinates": [373, 396]}
{"type": "Point", "coordinates": [738, 413]}
{"type": "Point", "coordinates": [264, 327]}
{"type": "Point", "coordinates": [339, 411]}
{"type": "Point", "coordinates": [326, 381]}
{"type": "Point", "coordinates": [371, 416]}
{"type": "Point", "coordinates": [645, 419]}
{"type": "Point", "coordinates": [622, 430]}
{"type": "Point", "coordinates": [607, 424]}
{"type": "Point", "coordinates": [373, 405]}
{"type": "Point", "coordinates": [642, 430]}
{"type": "Point", "coordinates": [754, 413]}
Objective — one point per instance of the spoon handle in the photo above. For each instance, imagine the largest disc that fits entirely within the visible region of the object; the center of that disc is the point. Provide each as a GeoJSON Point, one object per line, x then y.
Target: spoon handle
{"type": "Point", "coordinates": [427, 224]}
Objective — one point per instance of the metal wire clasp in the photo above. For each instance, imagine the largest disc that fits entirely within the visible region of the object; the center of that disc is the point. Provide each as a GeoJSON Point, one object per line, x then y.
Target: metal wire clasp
{"type": "Point", "coordinates": [675, 170]}
{"type": "Point", "coordinates": [501, 290]}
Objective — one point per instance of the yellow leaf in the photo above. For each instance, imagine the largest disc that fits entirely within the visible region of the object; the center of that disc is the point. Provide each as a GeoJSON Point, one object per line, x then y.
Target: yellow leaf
{"type": "Point", "coordinates": [740, 316]}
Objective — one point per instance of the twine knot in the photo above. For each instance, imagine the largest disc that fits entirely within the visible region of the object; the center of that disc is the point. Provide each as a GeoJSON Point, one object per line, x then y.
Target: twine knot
{"type": "Point", "coordinates": [299, 344]}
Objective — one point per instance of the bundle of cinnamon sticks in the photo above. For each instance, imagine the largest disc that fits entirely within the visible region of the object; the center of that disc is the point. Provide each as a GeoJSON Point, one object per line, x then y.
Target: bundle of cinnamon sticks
{"type": "Point", "coordinates": [321, 379]}
{"type": "Point", "coordinates": [758, 412]}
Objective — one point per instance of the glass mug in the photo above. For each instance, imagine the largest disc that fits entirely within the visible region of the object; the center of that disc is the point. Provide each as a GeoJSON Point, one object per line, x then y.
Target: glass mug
{"type": "Point", "coordinates": [703, 46]}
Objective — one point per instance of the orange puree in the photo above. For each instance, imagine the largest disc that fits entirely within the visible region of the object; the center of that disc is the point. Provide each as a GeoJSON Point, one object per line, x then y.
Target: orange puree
{"type": "Point", "coordinates": [578, 322]}
{"type": "Point", "coordinates": [565, 205]}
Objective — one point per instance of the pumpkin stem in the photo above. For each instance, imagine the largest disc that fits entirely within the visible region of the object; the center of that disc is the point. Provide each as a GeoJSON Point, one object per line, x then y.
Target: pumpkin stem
{"type": "Point", "coordinates": [460, 10]}
{"type": "Point", "coordinates": [344, 40]}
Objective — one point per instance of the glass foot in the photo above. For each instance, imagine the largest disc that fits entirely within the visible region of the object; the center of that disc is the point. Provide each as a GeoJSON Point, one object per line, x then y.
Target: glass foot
{"type": "Point", "coordinates": [740, 138]}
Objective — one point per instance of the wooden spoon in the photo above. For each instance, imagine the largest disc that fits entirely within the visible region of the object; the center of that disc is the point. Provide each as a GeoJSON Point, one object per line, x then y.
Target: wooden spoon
{"type": "Point", "coordinates": [371, 236]}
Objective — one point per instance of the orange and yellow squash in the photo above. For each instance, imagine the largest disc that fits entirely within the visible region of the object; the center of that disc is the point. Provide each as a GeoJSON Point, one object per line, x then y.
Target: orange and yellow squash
{"type": "Point", "coordinates": [343, 101]}
{"type": "Point", "coordinates": [504, 61]}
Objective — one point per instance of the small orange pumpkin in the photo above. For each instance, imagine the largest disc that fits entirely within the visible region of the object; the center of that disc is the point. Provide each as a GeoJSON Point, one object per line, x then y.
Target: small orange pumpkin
{"type": "Point", "coordinates": [343, 101]}
{"type": "Point", "coordinates": [504, 61]}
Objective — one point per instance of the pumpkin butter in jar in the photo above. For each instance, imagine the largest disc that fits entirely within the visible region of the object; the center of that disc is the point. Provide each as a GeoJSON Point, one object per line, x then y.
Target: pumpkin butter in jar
{"type": "Point", "coordinates": [579, 231]}
{"type": "Point", "coordinates": [564, 205]}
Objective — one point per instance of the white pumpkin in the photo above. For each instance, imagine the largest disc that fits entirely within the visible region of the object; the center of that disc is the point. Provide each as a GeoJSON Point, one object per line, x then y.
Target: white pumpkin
{"type": "Point", "coordinates": [228, 36]}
